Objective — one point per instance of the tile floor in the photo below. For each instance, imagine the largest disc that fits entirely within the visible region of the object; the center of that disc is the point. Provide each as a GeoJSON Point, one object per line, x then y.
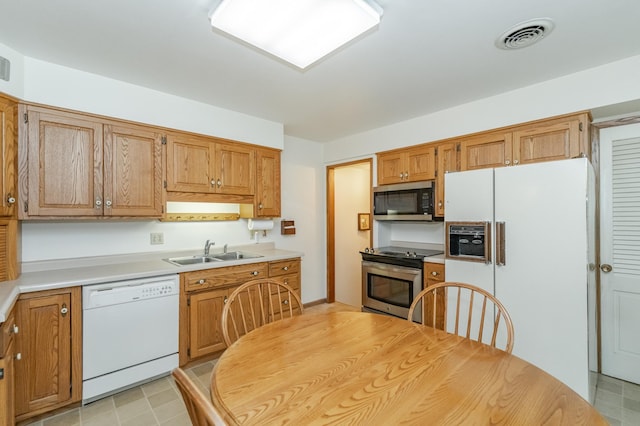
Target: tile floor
{"type": "Point", "coordinates": [159, 402]}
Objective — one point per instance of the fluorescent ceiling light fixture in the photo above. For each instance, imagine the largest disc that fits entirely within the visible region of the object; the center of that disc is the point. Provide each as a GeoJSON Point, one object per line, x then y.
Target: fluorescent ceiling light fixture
{"type": "Point", "coordinates": [298, 31]}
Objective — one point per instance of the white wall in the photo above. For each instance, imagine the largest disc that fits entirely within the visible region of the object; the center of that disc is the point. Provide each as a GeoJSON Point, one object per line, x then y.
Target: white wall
{"type": "Point", "coordinates": [352, 196]}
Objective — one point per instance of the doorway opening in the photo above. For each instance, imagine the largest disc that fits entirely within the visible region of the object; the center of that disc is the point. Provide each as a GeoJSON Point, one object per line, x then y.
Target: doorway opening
{"type": "Point", "coordinates": [348, 199]}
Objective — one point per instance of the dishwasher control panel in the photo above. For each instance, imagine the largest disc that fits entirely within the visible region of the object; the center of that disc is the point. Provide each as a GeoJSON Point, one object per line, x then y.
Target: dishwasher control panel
{"type": "Point", "coordinates": [99, 295]}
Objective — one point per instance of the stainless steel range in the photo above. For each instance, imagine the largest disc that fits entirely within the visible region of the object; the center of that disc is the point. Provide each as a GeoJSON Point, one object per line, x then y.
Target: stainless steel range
{"type": "Point", "coordinates": [391, 278]}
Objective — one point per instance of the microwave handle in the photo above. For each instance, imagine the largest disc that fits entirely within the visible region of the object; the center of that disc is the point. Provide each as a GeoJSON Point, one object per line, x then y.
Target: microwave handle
{"type": "Point", "coordinates": [500, 244]}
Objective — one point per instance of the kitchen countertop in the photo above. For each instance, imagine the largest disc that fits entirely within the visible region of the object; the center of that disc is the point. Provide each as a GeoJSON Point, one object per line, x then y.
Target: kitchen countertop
{"type": "Point", "coordinates": [55, 274]}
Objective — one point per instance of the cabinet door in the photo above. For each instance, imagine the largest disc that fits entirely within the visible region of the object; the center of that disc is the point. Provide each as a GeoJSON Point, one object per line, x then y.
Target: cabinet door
{"type": "Point", "coordinates": [205, 329]}
{"type": "Point", "coordinates": [420, 163]}
{"type": "Point", "coordinates": [433, 274]}
{"type": "Point", "coordinates": [190, 164]}
{"type": "Point", "coordinates": [8, 157]}
{"type": "Point", "coordinates": [44, 372]}
{"type": "Point", "coordinates": [9, 255]}
{"type": "Point", "coordinates": [7, 411]}
{"type": "Point", "coordinates": [391, 168]}
{"type": "Point", "coordinates": [132, 172]}
{"type": "Point", "coordinates": [65, 165]}
{"type": "Point", "coordinates": [447, 161]}
{"type": "Point", "coordinates": [267, 199]}
{"type": "Point", "coordinates": [235, 169]}
{"type": "Point", "coordinates": [555, 140]}
{"type": "Point", "coordinates": [486, 151]}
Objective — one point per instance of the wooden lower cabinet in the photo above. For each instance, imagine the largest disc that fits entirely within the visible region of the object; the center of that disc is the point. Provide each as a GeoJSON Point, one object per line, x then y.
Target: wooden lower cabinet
{"type": "Point", "coordinates": [7, 380]}
{"type": "Point", "coordinates": [48, 374]}
{"type": "Point", "coordinates": [204, 293]}
{"type": "Point", "coordinates": [434, 274]}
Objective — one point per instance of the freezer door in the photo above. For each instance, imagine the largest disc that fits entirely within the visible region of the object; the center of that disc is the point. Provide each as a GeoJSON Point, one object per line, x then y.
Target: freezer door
{"type": "Point", "coordinates": [543, 282]}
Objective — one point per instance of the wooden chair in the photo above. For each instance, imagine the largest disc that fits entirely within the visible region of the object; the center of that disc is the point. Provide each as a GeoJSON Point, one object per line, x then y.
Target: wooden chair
{"type": "Point", "coordinates": [200, 408]}
{"type": "Point", "coordinates": [256, 303]}
{"type": "Point", "coordinates": [470, 318]}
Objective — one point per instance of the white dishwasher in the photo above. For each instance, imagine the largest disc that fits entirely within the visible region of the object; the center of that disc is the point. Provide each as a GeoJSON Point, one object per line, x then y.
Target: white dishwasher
{"type": "Point", "coordinates": [129, 333]}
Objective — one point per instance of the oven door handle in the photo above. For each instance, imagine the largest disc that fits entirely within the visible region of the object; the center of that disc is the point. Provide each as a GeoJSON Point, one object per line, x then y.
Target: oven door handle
{"type": "Point", "coordinates": [387, 267]}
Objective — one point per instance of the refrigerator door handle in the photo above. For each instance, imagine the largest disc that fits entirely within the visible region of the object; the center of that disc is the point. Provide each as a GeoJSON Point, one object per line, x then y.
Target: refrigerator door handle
{"type": "Point", "coordinates": [500, 244]}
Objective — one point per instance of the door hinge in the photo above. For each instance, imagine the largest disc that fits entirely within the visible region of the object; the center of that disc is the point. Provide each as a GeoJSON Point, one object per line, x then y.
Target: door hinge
{"type": "Point", "coordinates": [164, 184]}
{"type": "Point", "coordinates": [1, 373]}
{"type": "Point", "coordinates": [26, 117]}
{"type": "Point", "coordinates": [26, 207]}
{"type": "Point", "coordinates": [188, 352]}
{"type": "Point", "coordinates": [189, 301]}
{"type": "Point", "coordinates": [164, 140]}
{"type": "Point", "coordinates": [580, 126]}
{"type": "Point", "coordinates": [458, 147]}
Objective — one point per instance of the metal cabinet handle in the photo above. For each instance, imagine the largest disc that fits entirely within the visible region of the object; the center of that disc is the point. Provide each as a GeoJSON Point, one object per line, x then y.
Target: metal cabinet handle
{"type": "Point", "coordinates": [606, 268]}
{"type": "Point", "coordinates": [107, 203]}
{"type": "Point", "coordinates": [64, 310]}
{"type": "Point", "coordinates": [98, 203]}
{"type": "Point", "coordinates": [11, 199]}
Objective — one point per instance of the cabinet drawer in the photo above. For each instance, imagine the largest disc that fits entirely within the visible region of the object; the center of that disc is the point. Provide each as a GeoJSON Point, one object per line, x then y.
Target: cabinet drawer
{"type": "Point", "coordinates": [434, 273]}
{"type": "Point", "coordinates": [284, 267]}
{"type": "Point", "coordinates": [6, 333]}
{"type": "Point", "coordinates": [224, 277]}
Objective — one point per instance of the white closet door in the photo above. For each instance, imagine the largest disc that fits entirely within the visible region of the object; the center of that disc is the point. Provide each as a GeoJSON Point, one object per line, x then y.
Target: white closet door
{"type": "Point", "coordinates": [620, 251]}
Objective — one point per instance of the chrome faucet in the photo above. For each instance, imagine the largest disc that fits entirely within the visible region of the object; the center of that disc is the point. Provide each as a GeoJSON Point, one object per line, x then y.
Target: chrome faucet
{"type": "Point", "coordinates": [208, 245]}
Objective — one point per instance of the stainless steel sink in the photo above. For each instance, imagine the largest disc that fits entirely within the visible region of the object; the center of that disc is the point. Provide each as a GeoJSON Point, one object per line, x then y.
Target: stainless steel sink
{"type": "Point", "coordinates": [214, 257]}
{"type": "Point", "coordinates": [235, 255]}
{"type": "Point", "coordinates": [191, 260]}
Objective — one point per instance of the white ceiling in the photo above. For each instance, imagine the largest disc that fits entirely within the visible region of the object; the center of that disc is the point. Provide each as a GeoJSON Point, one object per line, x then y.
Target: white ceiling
{"type": "Point", "coordinates": [425, 56]}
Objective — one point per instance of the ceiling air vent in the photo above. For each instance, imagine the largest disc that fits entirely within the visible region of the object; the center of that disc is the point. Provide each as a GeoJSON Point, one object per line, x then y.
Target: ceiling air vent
{"type": "Point", "coordinates": [525, 34]}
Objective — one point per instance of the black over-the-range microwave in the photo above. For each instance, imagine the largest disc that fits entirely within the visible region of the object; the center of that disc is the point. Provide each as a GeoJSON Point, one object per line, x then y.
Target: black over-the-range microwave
{"type": "Point", "coordinates": [404, 201]}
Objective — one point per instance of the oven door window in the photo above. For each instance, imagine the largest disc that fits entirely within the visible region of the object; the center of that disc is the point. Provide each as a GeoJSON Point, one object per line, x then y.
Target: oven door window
{"type": "Point", "coordinates": [393, 291]}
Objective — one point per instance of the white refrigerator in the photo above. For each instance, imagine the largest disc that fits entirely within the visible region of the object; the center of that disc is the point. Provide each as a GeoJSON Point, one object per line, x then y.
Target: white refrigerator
{"type": "Point", "coordinates": [547, 281]}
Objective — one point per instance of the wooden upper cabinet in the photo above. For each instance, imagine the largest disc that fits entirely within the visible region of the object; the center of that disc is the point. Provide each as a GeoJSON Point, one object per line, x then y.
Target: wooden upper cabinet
{"type": "Point", "coordinates": [64, 164]}
{"type": "Point", "coordinates": [545, 140]}
{"type": "Point", "coordinates": [202, 165]}
{"type": "Point", "coordinates": [267, 198]}
{"type": "Point", "coordinates": [235, 169]}
{"type": "Point", "coordinates": [554, 139]}
{"type": "Point", "coordinates": [75, 165]}
{"type": "Point", "coordinates": [132, 171]}
{"type": "Point", "coordinates": [447, 161]}
{"type": "Point", "coordinates": [486, 150]}
{"type": "Point", "coordinates": [407, 165]}
{"type": "Point", "coordinates": [8, 157]}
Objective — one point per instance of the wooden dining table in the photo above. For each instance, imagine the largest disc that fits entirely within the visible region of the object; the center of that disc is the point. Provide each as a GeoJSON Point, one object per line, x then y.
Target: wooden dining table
{"type": "Point", "coordinates": [356, 368]}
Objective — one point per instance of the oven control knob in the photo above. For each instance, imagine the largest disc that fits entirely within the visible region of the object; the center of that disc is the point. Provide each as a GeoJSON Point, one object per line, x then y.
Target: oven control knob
{"type": "Point", "coordinates": [366, 249]}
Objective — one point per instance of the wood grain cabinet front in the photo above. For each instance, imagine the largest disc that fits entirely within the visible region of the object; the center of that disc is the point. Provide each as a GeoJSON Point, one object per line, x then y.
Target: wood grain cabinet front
{"type": "Point", "coordinates": [204, 293]}
{"type": "Point", "coordinates": [406, 165]}
{"type": "Point", "coordinates": [433, 274]}
{"type": "Point", "coordinates": [48, 374]}
{"type": "Point", "coordinates": [7, 377]}
{"type": "Point", "coordinates": [75, 165]}
{"type": "Point", "coordinates": [198, 164]}
{"type": "Point", "coordinates": [8, 157]}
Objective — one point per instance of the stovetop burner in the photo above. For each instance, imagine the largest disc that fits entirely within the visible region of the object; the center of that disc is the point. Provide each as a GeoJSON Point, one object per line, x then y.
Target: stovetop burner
{"type": "Point", "coordinates": [403, 256]}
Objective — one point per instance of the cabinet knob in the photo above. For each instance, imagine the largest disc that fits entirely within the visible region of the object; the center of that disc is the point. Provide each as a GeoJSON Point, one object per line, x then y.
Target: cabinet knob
{"type": "Point", "coordinates": [606, 268]}
{"type": "Point", "coordinates": [18, 356]}
{"type": "Point", "coordinates": [14, 329]}
{"type": "Point", "coordinates": [98, 203]}
{"type": "Point", "coordinates": [439, 203]}
{"type": "Point", "coordinates": [226, 298]}
{"type": "Point", "coordinates": [64, 309]}
{"type": "Point", "coordinates": [11, 199]}
{"type": "Point", "coordinates": [254, 273]}
{"type": "Point", "coordinates": [285, 302]}
{"type": "Point", "coordinates": [434, 273]}
{"type": "Point", "coordinates": [286, 268]}
{"type": "Point", "coordinates": [213, 182]}
{"type": "Point", "coordinates": [507, 162]}
{"type": "Point", "coordinates": [201, 281]}
{"type": "Point", "coordinates": [516, 161]}
{"type": "Point", "coordinates": [219, 182]}
{"type": "Point", "coordinates": [107, 203]}
{"type": "Point", "coordinates": [260, 206]}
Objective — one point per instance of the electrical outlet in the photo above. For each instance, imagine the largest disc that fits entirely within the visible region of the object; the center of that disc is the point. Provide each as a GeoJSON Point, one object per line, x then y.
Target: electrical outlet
{"type": "Point", "coordinates": [157, 238]}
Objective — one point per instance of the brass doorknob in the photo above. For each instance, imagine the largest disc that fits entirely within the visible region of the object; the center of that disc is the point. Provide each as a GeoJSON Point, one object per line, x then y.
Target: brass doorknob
{"type": "Point", "coordinates": [606, 268]}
